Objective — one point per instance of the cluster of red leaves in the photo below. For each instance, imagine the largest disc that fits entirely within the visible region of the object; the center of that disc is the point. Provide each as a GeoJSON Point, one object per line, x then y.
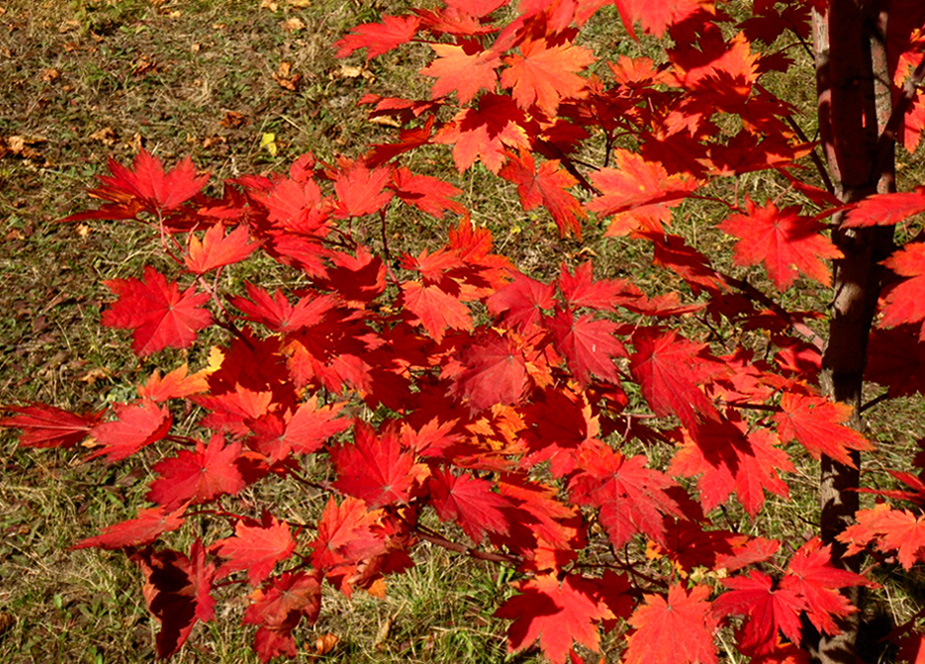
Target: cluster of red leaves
{"type": "Point", "coordinates": [487, 374]}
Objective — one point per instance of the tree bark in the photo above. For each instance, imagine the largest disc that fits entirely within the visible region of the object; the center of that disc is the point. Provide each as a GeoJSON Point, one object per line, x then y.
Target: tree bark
{"type": "Point", "coordinates": [854, 106]}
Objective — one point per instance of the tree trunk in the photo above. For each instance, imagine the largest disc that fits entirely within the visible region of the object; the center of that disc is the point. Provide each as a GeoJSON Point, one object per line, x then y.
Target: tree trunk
{"type": "Point", "coordinates": [855, 104]}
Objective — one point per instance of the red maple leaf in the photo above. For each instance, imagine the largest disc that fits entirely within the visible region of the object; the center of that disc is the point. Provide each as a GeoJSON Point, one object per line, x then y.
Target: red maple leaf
{"type": "Point", "coordinates": [47, 426]}
{"type": "Point", "coordinates": [729, 457]}
{"type": "Point", "coordinates": [304, 432]}
{"type": "Point", "coordinates": [144, 186]}
{"type": "Point", "coordinates": [435, 309]}
{"type": "Point", "coordinates": [555, 613]}
{"type": "Point", "coordinates": [632, 498]}
{"type": "Point", "coordinates": [889, 530]}
{"type": "Point", "coordinates": [588, 344]}
{"type": "Point", "coordinates": [656, 16]}
{"type": "Point", "coordinates": [255, 548]}
{"type": "Point", "coordinates": [668, 369]}
{"type": "Point", "coordinates": [547, 187]}
{"type": "Point", "coordinates": [637, 193]}
{"type": "Point", "coordinates": [522, 302]}
{"type": "Point", "coordinates": [375, 467]}
{"type": "Point", "coordinates": [583, 290]}
{"type": "Point", "coordinates": [767, 608]}
{"type": "Point", "coordinates": [143, 529]}
{"type": "Point", "coordinates": [905, 301]}
{"type": "Point", "coordinates": [897, 360]}
{"type": "Point", "coordinates": [813, 577]}
{"type": "Point", "coordinates": [158, 313]}
{"type": "Point", "coordinates": [177, 592]}
{"type": "Point", "coordinates": [784, 241]}
{"type": "Point", "coordinates": [137, 425]}
{"type": "Point", "coordinates": [198, 476]}
{"type": "Point", "coordinates": [345, 535]}
{"type": "Point", "coordinates": [485, 133]}
{"type": "Point", "coordinates": [495, 372]}
{"type": "Point", "coordinates": [278, 608]}
{"type": "Point", "coordinates": [818, 425]}
{"type": "Point", "coordinates": [378, 38]}
{"type": "Point", "coordinates": [470, 502]}
{"type": "Point", "coordinates": [426, 193]}
{"type": "Point", "coordinates": [278, 314]}
{"type": "Point", "coordinates": [361, 190]}
{"type": "Point", "coordinates": [217, 249]}
{"type": "Point", "coordinates": [462, 69]}
{"type": "Point", "coordinates": [544, 74]}
{"type": "Point", "coordinates": [677, 629]}
{"type": "Point", "coordinates": [886, 209]}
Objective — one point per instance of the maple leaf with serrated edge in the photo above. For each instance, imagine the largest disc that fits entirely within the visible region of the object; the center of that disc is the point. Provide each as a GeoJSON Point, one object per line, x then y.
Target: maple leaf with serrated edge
{"type": "Point", "coordinates": [144, 186]}
{"type": "Point", "coordinates": [668, 368]}
{"type": "Point", "coordinates": [677, 629]}
{"type": "Point", "coordinates": [158, 313]}
{"type": "Point", "coordinates": [278, 314]}
{"type": "Point", "coordinates": [548, 187]}
{"type": "Point", "coordinates": [589, 345]}
{"type": "Point", "coordinates": [255, 548]}
{"type": "Point", "coordinates": [632, 498]}
{"type": "Point", "coordinates": [495, 372]}
{"type": "Point", "coordinates": [177, 384]}
{"type": "Point", "coordinates": [426, 193]}
{"type": "Point", "coordinates": [47, 426]}
{"type": "Point", "coordinates": [728, 457]}
{"type": "Point", "coordinates": [345, 534]}
{"type": "Point", "coordinates": [485, 133]}
{"type": "Point", "coordinates": [813, 577]}
{"type": "Point", "coordinates": [768, 610]}
{"type": "Point", "coordinates": [470, 502]}
{"type": "Point", "coordinates": [544, 74]}
{"type": "Point", "coordinates": [785, 242]}
{"type": "Point", "coordinates": [462, 69]}
{"type": "Point", "coordinates": [375, 467]}
{"type": "Point", "coordinates": [198, 476]}
{"type": "Point", "coordinates": [886, 209]}
{"type": "Point", "coordinates": [217, 249]}
{"type": "Point", "coordinates": [378, 38]}
{"type": "Point", "coordinates": [889, 530]}
{"type": "Point", "coordinates": [435, 309]}
{"type": "Point", "coordinates": [637, 193]}
{"type": "Point", "coordinates": [278, 608]}
{"type": "Point", "coordinates": [361, 190]}
{"type": "Point", "coordinates": [522, 301]}
{"type": "Point", "coordinates": [137, 425]}
{"type": "Point", "coordinates": [581, 289]}
{"type": "Point", "coordinates": [904, 301]}
{"type": "Point", "coordinates": [150, 523]}
{"type": "Point", "coordinates": [177, 592]}
{"type": "Point", "coordinates": [555, 613]}
{"type": "Point", "coordinates": [818, 425]}
{"type": "Point", "coordinates": [304, 432]}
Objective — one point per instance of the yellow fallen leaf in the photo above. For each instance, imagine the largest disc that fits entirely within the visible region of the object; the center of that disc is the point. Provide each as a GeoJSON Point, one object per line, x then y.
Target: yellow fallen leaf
{"type": "Point", "coordinates": [268, 141]}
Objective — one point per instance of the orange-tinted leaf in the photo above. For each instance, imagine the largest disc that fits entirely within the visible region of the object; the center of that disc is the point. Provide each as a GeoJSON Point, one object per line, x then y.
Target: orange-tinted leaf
{"type": "Point", "coordinates": [818, 425]}
{"type": "Point", "coordinates": [886, 209]}
{"type": "Point", "coordinates": [677, 629]}
{"type": "Point", "coordinates": [486, 133]}
{"type": "Point", "coordinates": [217, 249]}
{"type": "Point", "coordinates": [436, 310]}
{"type": "Point", "coordinates": [784, 241]}
{"type": "Point", "coordinates": [905, 302]}
{"type": "Point", "coordinates": [361, 191]}
{"type": "Point", "coordinates": [345, 535]}
{"type": "Point", "coordinates": [462, 70]}
{"type": "Point", "coordinates": [547, 187]}
{"type": "Point", "coordinates": [543, 74]}
{"type": "Point", "coordinates": [888, 530]}
{"type": "Point", "coordinates": [177, 384]}
{"type": "Point", "coordinates": [378, 38]}
{"type": "Point", "coordinates": [426, 193]}
{"type": "Point", "coordinates": [158, 313]}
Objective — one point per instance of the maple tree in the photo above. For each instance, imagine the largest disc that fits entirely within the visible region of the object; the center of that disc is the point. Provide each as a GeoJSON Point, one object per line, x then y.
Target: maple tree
{"type": "Point", "coordinates": [549, 417]}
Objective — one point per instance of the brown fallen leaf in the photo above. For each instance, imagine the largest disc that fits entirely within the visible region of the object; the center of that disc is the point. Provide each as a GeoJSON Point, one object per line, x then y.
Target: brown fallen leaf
{"type": "Point", "coordinates": [293, 24]}
{"type": "Point", "coordinates": [285, 78]}
{"type": "Point", "coordinates": [324, 644]}
{"type": "Point", "coordinates": [107, 136]}
{"type": "Point", "coordinates": [6, 619]}
{"type": "Point", "coordinates": [50, 74]}
{"type": "Point", "coordinates": [212, 141]}
{"type": "Point", "coordinates": [145, 64]}
{"type": "Point", "coordinates": [234, 120]}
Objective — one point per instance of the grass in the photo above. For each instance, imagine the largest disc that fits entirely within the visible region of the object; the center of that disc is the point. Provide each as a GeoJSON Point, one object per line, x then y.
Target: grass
{"type": "Point", "coordinates": [92, 78]}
